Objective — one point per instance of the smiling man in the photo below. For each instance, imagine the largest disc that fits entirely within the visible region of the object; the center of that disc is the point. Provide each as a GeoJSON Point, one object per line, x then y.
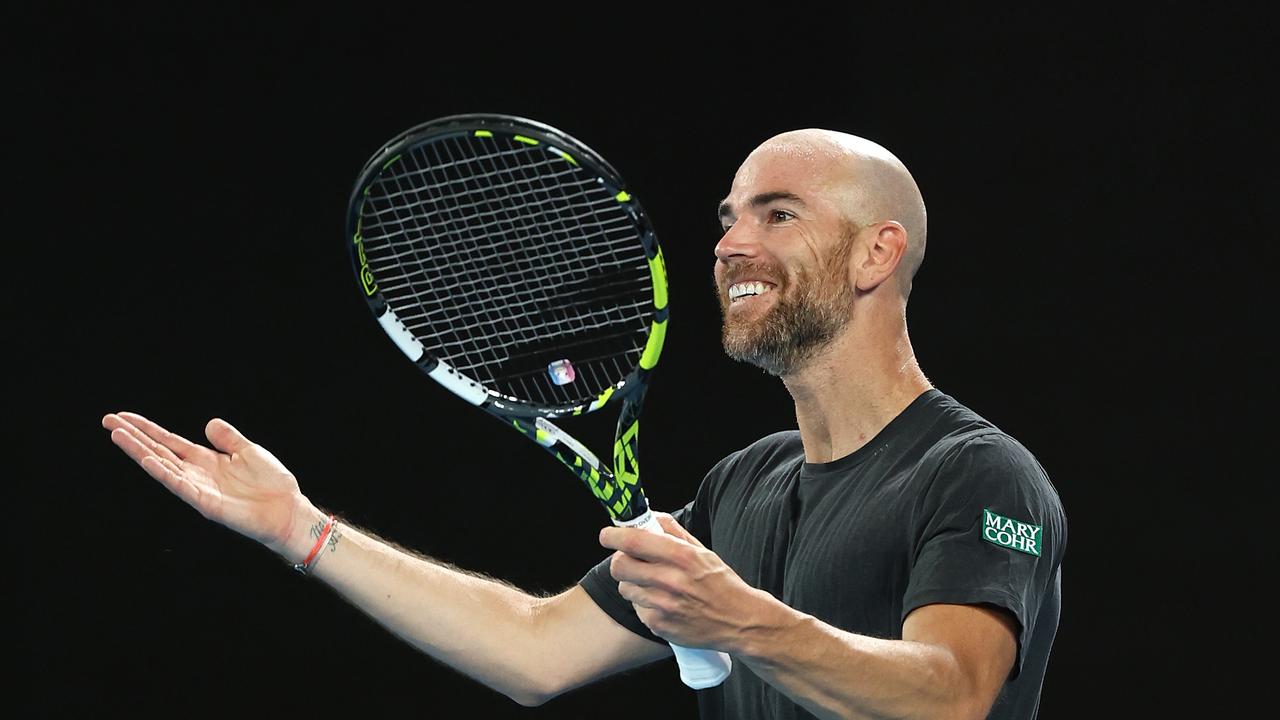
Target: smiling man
{"type": "Point", "coordinates": [853, 568]}
{"type": "Point", "coordinates": [897, 556]}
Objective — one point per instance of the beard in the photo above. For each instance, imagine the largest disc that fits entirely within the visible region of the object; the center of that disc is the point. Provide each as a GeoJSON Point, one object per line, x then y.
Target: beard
{"type": "Point", "coordinates": [806, 316]}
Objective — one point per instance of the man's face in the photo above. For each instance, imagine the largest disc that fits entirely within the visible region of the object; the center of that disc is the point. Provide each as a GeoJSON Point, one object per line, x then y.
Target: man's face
{"type": "Point", "coordinates": [781, 272]}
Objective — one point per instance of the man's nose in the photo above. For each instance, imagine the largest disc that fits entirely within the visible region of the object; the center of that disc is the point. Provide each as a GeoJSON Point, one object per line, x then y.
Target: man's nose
{"type": "Point", "coordinates": [737, 241]}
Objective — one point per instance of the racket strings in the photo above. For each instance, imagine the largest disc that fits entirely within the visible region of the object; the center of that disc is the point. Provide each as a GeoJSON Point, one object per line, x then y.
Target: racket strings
{"type": "Point", "coordinates": [544, 178]}
{"type": "Point", "coordinates": [529, 386]}
{"type": "Point", "coordinates": [625, 289]}
{"type": "Point", "coordinates": [503, 259]}
{"type": "Point", "coordinates": [394, 263]}
{"type": "Point", "coordinates": [594, 372]}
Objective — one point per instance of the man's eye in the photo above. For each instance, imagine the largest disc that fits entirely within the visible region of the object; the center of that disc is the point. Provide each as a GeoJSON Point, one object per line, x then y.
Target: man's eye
{"type": "Point", "coordinates": [779, 216]}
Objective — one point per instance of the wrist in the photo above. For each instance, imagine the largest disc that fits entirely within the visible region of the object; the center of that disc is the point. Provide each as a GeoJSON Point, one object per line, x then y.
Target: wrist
{"type": "Point", "coordinates": [326, 538]}
{"type": "Point", "coordinates": [770, 623]}
{"type": "Point", "coordinates": [306, 521]}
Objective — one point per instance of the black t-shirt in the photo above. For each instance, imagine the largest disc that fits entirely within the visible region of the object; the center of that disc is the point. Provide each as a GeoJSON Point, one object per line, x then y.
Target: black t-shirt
{"type": "Point", "coordinates": [940, 507]}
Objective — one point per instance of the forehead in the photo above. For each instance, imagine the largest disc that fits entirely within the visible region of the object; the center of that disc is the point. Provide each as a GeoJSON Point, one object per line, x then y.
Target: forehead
{"type": "Point", "coordinates": [808, 171]}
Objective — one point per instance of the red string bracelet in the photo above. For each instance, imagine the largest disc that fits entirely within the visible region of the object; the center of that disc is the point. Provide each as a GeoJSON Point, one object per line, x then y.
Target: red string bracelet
{"type": "Point", "coordinates": [304, 567]}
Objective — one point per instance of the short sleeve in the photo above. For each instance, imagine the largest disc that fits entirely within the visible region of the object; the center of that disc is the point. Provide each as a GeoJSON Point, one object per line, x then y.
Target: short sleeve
{"type": "Point", "coordinates": [603, 589]}
{"type": "Point", "coordinates": [990, 530]}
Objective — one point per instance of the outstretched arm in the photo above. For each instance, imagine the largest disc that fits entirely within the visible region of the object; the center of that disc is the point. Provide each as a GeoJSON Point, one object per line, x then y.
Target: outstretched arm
{"type": "Point", "coordinates": [526, 647]}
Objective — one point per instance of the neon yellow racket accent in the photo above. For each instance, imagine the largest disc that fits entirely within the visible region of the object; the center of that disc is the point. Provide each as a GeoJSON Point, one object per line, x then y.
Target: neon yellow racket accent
{"type": "Point", "coordinates": [543, 437]}
{"type": "Point", "coordinates": [602, 399]}
{"type": "Point", "coordinates": [525, 140]}
{"type": "Point", "coordinates": [625, 467]}
{"type": "Point", "coordinates": [653, 348]}
{"type": "Point", "coordinates": [658, 269]}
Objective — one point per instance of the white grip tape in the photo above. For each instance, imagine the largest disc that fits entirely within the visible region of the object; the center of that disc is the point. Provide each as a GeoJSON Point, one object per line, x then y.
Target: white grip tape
{"type": "Point", "coordinates": [699, 669]}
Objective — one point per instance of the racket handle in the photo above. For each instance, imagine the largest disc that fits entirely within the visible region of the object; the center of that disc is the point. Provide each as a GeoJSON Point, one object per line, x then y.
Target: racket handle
{"type": "Point", "coordinates": [699, 669]}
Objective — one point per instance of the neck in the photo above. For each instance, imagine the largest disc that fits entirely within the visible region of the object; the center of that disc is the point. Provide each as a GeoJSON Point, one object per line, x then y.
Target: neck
{"type": "Point", "coordinates": [855, 386]}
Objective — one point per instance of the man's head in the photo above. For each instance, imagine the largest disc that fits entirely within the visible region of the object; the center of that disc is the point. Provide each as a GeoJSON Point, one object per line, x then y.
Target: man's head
{"type": "Point", "coordinates": [822, 222]}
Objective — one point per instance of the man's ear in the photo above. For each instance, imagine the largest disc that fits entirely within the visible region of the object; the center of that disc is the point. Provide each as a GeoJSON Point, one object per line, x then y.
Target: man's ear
{"type": "Point", "coordinates": [883, 246]}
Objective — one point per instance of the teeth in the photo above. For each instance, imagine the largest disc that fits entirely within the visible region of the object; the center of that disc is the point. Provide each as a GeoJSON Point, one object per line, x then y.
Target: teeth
{"type": "Point", "coordinates": [748, 288]}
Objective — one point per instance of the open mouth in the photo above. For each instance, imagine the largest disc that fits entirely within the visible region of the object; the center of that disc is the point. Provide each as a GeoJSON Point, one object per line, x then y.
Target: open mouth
{"type": "Point", "coordinates": [742, 290]}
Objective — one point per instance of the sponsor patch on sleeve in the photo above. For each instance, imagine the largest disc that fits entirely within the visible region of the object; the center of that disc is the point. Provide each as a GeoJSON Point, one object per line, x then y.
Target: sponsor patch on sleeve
{"type": "Point", "coordinates": [1012, 534]}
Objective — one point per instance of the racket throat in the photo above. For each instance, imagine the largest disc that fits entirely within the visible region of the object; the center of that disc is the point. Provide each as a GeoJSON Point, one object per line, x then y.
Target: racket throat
{"type": "Point", "coordinates": [549, 434]}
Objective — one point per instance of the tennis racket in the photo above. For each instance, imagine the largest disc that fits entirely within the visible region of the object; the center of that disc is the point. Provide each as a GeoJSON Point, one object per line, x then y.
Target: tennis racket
{"type": "Point", "coordinates": [508, 261]}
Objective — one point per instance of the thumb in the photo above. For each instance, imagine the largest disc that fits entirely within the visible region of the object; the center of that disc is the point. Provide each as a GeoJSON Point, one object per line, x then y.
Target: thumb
{"type": "Point", "coordinates": [224, 437]}
{"type": "Point", "coordinates": [671, 527]}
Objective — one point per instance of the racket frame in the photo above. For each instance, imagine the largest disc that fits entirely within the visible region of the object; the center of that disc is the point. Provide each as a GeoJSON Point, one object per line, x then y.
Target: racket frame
{"type": "Point", "coordinates": [617, 485]}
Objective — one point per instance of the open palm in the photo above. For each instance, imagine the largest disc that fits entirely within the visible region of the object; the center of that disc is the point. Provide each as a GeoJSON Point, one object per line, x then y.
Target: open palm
{"type": "Point", "coordinates": [238, 483]}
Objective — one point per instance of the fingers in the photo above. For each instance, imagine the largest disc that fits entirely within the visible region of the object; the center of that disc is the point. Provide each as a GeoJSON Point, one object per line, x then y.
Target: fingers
{"type": "Point", "coordinates": [625, 568]}
{"type": "Point", "coordinates": [172, 477]}
{"type": "Point", "coordinates": [673, 528]}
{"type": "Point", "coordinates": [138, 446]}
{"type": "Point", "coordinates": [633, 593]}
{"type": "Point", "coordinates": [180, 447]}
{"type": "Point", "coordinates": [618, 566]}
{"type": "Point", "coordinates": [640, 543]}
{"type": "Point", "coordinates": [163, 469]}
{"type": "Point", "coordinates": [649, 546]}
{"type": "Point", "coordinates": [653, 607]}
{"type": "Point", "coordinates": [648, 596]}
{"type": "Point", "coordinates": [225, 437]}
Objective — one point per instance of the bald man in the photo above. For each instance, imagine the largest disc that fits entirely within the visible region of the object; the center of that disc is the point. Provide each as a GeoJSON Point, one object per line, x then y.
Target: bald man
{"type": "Point", "coordinates": [897, 556]}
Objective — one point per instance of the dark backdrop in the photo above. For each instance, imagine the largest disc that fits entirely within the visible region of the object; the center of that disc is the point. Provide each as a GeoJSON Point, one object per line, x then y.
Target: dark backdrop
{"type": "Point", "coordinates": [1094, 285]}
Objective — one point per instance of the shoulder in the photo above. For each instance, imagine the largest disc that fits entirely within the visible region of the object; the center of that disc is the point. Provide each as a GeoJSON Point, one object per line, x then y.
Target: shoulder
{"type": "Point", "coordinates": [777, 449]}
{"type": "Point", "coordinates": [967, 442]}
{"type": "Point", "coordinates": [967, 454]}
{"type": "Point", "coordinates": [989, 468]}
{"type": "Point", "coordinates": [784, 444]}
{"type": "Point", "coordinates": [988, 445]}
{"type": "Point", "coordinates": [771, 454]}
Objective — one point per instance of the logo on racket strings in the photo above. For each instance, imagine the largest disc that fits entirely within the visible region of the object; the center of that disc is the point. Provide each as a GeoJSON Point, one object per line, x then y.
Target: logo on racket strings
{"type": "Point", "coordinates": [561, 372]}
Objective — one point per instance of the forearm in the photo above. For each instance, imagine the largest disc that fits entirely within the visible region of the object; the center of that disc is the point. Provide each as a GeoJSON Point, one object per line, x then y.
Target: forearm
{"type": "Point", "coordinates": [479, 626]}
{"type": "Point", "coordinates": [483, 628]}
{"type": "Point", "coordinates": [837, 674]}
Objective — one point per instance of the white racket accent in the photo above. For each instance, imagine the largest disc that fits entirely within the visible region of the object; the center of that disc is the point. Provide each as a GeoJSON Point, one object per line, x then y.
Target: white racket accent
{"type": "Point", "coordinates": [443, 373]}
{"type": "Point", "coordinates": [699, 669]}
{"type": "Point", "coordinates": [404, 339]}
{"type": "Point", "coordinates": [457, 383]}
{"type": "Point", "coordinates": [551, 430]}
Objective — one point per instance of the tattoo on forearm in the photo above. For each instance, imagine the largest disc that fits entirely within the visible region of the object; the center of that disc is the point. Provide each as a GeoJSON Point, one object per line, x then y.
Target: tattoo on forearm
{"type": "Point", "coordinates": [334, 535]}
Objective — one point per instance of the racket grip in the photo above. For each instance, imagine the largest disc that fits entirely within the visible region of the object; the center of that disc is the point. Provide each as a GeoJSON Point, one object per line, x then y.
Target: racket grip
{"type": "Point", "coordinates": [699, 668]}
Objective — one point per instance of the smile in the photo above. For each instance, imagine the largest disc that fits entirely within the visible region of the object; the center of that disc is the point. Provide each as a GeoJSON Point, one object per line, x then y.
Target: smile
{"type": "Point", "coordinates": [737, 291]}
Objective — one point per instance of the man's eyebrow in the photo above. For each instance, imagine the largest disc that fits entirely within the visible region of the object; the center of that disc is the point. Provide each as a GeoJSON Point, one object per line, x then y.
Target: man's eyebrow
{"type": "Point", "coordinates": [726, 210]}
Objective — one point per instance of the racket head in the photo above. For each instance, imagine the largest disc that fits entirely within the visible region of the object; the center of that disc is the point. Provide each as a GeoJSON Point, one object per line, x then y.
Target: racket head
{"type": "Point", "coordinates": [509, 261]}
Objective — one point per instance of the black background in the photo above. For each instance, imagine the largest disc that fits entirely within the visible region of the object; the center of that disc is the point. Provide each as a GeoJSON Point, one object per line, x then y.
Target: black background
{"type": "Point", "coordinates": [1095, 285]}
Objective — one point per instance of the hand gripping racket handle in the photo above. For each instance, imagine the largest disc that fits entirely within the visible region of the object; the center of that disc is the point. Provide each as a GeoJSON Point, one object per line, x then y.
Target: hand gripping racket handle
{"type": "Point", "coordinates": [699, 669]}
